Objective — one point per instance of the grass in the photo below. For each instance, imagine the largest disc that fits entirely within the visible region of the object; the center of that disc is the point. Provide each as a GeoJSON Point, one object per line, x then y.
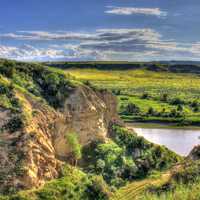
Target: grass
{"type": "Point", "coordinates": [134, 189]}
{"type": "Point", "coordinates": [182, 192]}
{"type": "Point", "coordinates": [181, 182]}
{"type": "Point", "coordinates": [130, 85]}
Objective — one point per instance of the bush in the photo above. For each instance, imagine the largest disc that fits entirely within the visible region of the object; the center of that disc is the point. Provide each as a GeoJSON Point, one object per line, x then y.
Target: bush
{"type": "Point", "coordinates": [176, 114]}
{"type": "Point", "coordinates": [196, 109]}
{"type": "Point", "coordinates": [145, 96]}
{"type": "Point", "coordinates": [180, 108]}
{"type": "Point", "coordinates": [75, 147]}
{"type": "Point", "coordinates": [132, 109]}
{"type": "Point", "coordinates": [151, 111]}
{"type": "Point", "coordinates": [126, 157]}
{"type": "Point", "coordinates": [116, 92]}
{"type": "Point", "coordinates": [164, 97]}
{"type": "Point", "coordinates": [97, 189]}
{"type": "Point", "coordinates": [177, 101]}
{"type": "Point", "coordinates": [195, 106]}
{"type": "Point", "coordinates": [8, 68]}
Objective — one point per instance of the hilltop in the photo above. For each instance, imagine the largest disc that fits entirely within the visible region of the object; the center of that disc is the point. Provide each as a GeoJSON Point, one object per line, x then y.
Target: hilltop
{"type": "Point", "coordinates": [166, 66]}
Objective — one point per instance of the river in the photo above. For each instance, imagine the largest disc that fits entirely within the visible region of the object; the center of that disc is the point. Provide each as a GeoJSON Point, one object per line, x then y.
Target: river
{"type": "Point", "coordinates": [180, 141]}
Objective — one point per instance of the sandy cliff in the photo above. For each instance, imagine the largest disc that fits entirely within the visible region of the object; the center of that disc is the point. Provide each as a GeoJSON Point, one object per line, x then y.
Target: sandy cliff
{"type": "Point", "coordinates": [35, 153]}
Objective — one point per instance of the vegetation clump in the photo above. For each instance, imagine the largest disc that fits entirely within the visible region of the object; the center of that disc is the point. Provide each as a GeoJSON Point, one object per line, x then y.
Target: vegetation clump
{"type": "Point", "coordinates": [126, 157]}
{"type": "Point", "coordinates": [73, 184]}
{"type": "Point", "coordinates": [39, 80]}
{"type": "Point", "coordinates": [75, 147]}
{"type": "Point", "coordinates": [183, 184]}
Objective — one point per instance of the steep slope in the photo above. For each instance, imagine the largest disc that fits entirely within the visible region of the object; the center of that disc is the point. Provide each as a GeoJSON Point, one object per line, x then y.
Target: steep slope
{"type": "Point", "coordinates": [33, 138]}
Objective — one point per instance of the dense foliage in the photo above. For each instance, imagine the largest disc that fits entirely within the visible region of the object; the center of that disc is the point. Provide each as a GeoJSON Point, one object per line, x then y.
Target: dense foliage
{"type": "Point", "coordinates": [126, 157]}
{"type": "Point", "coordinates": [41, 81]}
{"type": "Point", "coordinates": [73, 185]}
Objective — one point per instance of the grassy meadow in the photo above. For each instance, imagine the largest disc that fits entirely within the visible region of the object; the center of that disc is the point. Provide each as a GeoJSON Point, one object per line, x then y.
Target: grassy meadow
{"type": "Point", "coordinates": [153, 96]}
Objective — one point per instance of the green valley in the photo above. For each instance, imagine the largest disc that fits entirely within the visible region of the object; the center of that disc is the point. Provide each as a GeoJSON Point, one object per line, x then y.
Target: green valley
{"type": "Point", "coordinates": [148, 96]}
{"type": "Point", "coordinates": [63, 135]}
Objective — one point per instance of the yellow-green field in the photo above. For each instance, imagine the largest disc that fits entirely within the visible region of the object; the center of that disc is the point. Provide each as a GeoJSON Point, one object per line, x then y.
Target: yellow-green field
{"type": "Point", "coordinates": [138, 81]}
{"type": "Point", "coordinates": [130, 85]}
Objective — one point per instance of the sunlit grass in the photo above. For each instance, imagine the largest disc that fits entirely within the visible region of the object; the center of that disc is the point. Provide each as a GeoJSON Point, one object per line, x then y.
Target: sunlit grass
{"type": "Point", "coordinates": [139, 81]}
{"type": "Point", "coordinates": [134, 83]}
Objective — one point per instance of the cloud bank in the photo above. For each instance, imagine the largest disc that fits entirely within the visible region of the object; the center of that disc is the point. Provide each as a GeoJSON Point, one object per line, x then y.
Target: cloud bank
{"type": "Point", "coordinates": [102, 44]}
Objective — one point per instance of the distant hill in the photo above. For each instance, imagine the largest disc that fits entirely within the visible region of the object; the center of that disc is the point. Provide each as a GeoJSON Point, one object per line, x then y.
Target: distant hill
{"type": "Point", "coordinates": [169, 66]}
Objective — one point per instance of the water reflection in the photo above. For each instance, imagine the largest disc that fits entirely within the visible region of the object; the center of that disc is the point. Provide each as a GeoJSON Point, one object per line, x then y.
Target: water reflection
{"type": "Point", "coordinates": [180, 141]}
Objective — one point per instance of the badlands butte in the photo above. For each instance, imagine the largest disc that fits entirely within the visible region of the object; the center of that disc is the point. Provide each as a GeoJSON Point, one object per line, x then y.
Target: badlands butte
{"type": "Point", "coordinates": [61, 138]}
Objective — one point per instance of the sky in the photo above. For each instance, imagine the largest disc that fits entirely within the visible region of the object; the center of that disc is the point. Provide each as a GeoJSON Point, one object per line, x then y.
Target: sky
{"type": "Point", "coordinates": [80, 30]}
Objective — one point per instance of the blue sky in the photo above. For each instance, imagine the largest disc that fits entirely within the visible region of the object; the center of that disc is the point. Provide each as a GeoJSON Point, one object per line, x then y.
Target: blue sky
{"type": "Point", "coordinates": [133, 30]}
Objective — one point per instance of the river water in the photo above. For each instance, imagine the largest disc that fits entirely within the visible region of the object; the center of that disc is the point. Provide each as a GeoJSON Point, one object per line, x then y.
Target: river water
{"type": "Point", "coordinates": [180, 141]}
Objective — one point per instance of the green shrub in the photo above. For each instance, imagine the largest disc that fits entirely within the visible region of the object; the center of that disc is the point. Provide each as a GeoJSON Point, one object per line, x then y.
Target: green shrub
{"type": "Point", "coordinates": [74, 185]}
{"type": "Point", "coordinates": [8, 68]}
{"type": "Point", "coordinates": [97, 189]}
{"type": "Point", "coordinates": [75, 147]}
{"type": "Point", "coordinates": [145, 96]}
{"type": "Point", "coordinates": [125, 157]}
{"type": "Point", "coordinates": [39, 80]}
{"type": "Point", "coordinates": [164, 97]}
{"type": "Point", "coordinates": [177, 101]}
{"type": "Point", "coordinates": [132, 109]}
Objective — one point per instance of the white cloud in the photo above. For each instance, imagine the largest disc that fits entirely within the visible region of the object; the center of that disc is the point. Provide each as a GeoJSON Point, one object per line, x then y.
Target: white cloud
{"type": "Point", "coordinates": [195, 48]}
{"type": "Point", "coordinates": [41, 35]}
{"type": "Point", "coordinates": [52, 52]}
{"type": "Point", "coordinates": [103, 44]}
{"type": "Point", "coordinates": [27, 52]}
{"type": "Point", "coordinates": [133, 10]}
{"type": "Point", "coordinates": [98, 35]}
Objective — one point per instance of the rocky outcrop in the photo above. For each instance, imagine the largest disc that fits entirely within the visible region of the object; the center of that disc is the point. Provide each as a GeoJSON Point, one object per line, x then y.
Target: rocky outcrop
{"type": "Point", "coordinates": [195, 153]}
{"type": "Point", "coordinates": [88, 114]}
{"type": "Point", "coordinates": [31, 156]}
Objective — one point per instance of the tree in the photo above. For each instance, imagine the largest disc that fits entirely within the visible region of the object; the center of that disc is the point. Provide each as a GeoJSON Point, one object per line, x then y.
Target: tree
{"type": "Point", "coordinates": [177, 101]}
{"type": "Point", "coordinates": [75, 147]}
{"type": "Point", "coordinates": [8, 68]}
{"type": "Point", "coordinates": [173, 113]}
{"type": "Point", "coordinates": [145, 96]}
{"type": "Point", "coordinates": [180, 108]}
{"type": "Point", "coordinates": [151, 111]}
{"type": "Point", "coordinates": [132, 109]}
{"type": "Point", "coordinates": [196, 109]}
{"type": "Point", "coordinates": [195, 106]}
{"type": "Point", "coordinates": [164, 97]}
{"type": "Point", "coordinates": [100, 165]}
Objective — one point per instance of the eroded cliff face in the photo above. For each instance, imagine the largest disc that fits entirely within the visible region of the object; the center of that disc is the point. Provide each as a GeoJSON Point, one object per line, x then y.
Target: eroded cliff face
{"type": "Point", "coordinates": [31, 156]}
